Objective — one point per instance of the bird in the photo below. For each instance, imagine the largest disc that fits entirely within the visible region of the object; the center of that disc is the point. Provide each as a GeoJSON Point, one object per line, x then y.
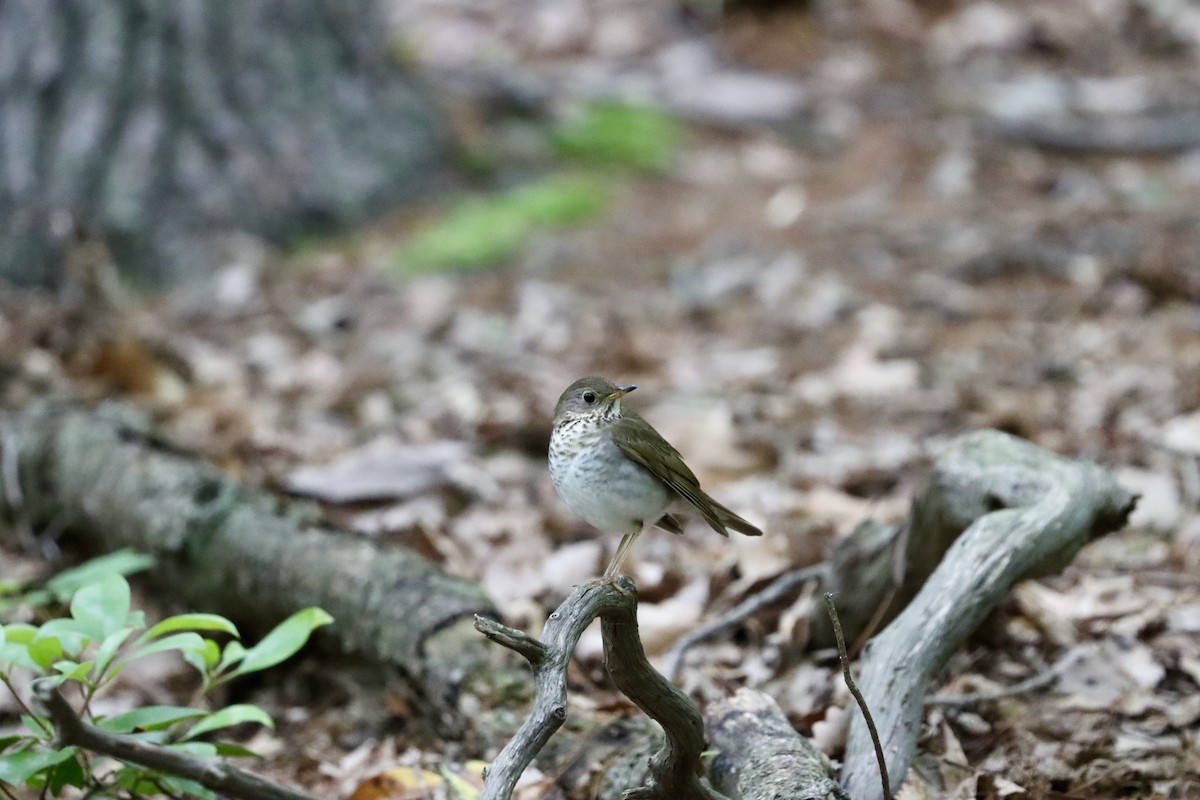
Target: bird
{"type": "Point", "coordinates": [617, 473]}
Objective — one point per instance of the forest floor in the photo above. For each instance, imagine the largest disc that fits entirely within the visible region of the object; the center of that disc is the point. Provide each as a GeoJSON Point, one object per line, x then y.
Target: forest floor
{"type": "Point", "coordinates": [812, 304]}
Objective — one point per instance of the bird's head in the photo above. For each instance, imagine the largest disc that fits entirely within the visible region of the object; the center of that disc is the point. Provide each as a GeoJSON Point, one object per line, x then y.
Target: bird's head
{"type": "Point", "coordinates": [590, 397]}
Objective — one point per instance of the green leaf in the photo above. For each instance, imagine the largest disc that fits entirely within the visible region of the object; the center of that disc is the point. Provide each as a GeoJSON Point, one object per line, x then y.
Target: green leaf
{"type": "Point", "coordinates": [230, 750]}
{"type": "Point", "coordinates": [8, 741]}
{"type": "Point", "coordinates": [122, 562]}
{"type": "Point", "coordinates": [68, 773]}
{"type": "Point", "coordinates": [16, 655]}
{"type": "Point", "coordinates": [176, 641]}
{"type": "Point", "coordinates": [38, 725]}
{"type": "Point", "coordinates": [17, 768]}
{"type": "Point", "coordinates": [108, 649]}
{"type": "Point", "coordinates": [103, 604]}
{"type": "Point", "coordinates": [229, 716]}
{"type": "Point", "coordinates": [149, 718]}
{"type": "Point", "coordinates": [198, 749]}
{"type": "Point", "coordinates": [283, 642]}
{"type": "Point", "coordinates": [19, 633]}
{"type": "Point", "coordinates": [483, 231]}
{"type": "Point", "coordinates": [8, 586]}
{"type": "Point", "coordinates": [72, 634]}
{"type": "Point", "coordinates": [38, 598]}
{"type": "Point", "coordinates": [234, 652]}
{"type": "Point", "coordinates": [205, 658]}
{"type": "Point", "coordinates": [45, 651]}
{"type": "Point", "coordinates": [72, 671]}
{"type": "Point", "coordinates": [183, 787]}
{"type": "Point", "coordinates": [191, 622]}
{"type": "Point", "coordinates": [608, 134]}
{"type": "Point", "coordinates": [138, 781]}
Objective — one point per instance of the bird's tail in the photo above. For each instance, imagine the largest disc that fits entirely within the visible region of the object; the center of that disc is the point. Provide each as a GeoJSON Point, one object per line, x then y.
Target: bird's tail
{"type": "Point", "coordinates": [722, 518]}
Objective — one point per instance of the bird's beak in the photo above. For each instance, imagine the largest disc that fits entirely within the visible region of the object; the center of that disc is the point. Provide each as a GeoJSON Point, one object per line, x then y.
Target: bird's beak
{"type": "Point", "coordinates": [620, 392]}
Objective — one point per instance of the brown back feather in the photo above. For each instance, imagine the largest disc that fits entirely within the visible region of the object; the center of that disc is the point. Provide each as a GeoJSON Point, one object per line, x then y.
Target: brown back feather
{"type": "Point", "coordinates": [637, 439]}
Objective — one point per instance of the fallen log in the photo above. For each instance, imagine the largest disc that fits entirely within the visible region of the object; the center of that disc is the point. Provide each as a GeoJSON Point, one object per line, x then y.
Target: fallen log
{"type": "Point", "coordinates": [244, 553]}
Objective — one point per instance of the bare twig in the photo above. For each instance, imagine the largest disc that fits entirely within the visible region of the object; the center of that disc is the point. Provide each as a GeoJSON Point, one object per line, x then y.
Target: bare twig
{"type": "Point", "coordinates": [210, 773]}
{"type": "Point", "coordinates": [858, 698]}
{"type": "Point", "coordinates": [1031, 684]}
{"type": "Point", "coordinates": [1146, 134]}
{"type": "Point", "coordinates": [774, 591]}
{"type": "Point", "coordinates": [673, 770]}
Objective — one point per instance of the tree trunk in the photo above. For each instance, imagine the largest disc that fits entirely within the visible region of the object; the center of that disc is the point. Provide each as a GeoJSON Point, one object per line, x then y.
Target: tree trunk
{"type": "Point", "coordinates": [163, 128]}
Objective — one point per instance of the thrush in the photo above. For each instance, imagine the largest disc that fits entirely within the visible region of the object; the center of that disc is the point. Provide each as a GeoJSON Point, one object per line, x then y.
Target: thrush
{"type": "Point", "coordinates": [617, 473]}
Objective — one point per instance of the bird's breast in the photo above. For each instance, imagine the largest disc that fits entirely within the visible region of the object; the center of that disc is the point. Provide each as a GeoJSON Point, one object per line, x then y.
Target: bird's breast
{"type": "Point", "coordinates": [600, 483]}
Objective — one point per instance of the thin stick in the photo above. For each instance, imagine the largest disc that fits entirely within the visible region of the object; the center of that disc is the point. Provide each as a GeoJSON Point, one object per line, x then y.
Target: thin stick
{"type": "Point", "coordinates": [862, 704]}
{"type": "Point", "coordinates": [774, 591]}
{"type": "Point", "coordinates": [1030, 684]}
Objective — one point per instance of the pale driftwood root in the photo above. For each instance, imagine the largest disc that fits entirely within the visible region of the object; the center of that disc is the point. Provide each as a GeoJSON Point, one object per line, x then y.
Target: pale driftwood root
{"type": "Point", "coordinates": [244, 553]}
{"type": "Point", "coordinates": [672, 772]}
{"type": "Point", "coordinates": [211, 773]}
{"type": "Point", "coordinates": [761, 757]}
{"type": "Point", "coordinates": [1023, 512]}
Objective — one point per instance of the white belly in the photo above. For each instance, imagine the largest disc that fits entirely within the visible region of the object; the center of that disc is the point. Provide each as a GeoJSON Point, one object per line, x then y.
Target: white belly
{"type": "Point", "coordinates": [626, 501]}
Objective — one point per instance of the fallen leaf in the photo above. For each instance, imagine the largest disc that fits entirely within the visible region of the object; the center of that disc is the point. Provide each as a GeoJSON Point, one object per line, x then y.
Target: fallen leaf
{"type": "Point", "coordinates": [384, 469]}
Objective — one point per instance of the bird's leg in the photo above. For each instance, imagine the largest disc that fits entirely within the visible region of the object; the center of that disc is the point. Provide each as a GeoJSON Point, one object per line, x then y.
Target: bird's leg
{"type": "Point", "coordinates": [622, 551]}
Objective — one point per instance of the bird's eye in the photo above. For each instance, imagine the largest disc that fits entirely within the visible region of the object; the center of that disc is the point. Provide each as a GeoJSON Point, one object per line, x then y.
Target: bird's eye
{"type": "Point", "coordinates": [589, 397]}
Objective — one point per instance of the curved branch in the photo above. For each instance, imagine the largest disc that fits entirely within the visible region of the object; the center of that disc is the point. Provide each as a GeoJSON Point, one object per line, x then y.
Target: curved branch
{"type": "Point", "coordinates": [674, 770]}
{"type": "Point", "coordinates": [549, 659]}
{"type": "Point", "coordinates": [1026, 512]}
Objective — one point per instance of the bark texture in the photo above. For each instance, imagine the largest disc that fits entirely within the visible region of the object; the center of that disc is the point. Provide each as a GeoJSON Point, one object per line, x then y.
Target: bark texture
{"type": "Point", "coordinates": [164, 127]}
{"type": "Point", "coordinates": [760, 756]}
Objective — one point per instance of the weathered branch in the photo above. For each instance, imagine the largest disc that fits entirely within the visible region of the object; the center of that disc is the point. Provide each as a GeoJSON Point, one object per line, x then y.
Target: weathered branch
{"type": "Point", "coordinates": [1026, 512]}
{"type": "Point", "coordinates": [211, 773]}
{"type": "Point", "coordinates": [760, 756]}
{"type": "Point", "coordinates": [673, 771]}
{"type": "Point", "coordinates": [1142, 134]}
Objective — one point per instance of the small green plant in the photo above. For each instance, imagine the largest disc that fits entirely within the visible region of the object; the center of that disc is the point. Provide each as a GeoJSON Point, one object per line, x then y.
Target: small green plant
{"type": "Point", "coordinates": [482, 231]}
{"type": "Point", "coordinates": [611, 134]}
{"type": "Point", "coordinates": [601, 140]}
{"type": "Point", "coordinates": [84, 652]}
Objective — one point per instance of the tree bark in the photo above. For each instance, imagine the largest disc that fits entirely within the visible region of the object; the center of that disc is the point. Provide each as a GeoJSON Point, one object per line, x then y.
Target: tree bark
{"type": "Point", "coordinates": [164, 127]}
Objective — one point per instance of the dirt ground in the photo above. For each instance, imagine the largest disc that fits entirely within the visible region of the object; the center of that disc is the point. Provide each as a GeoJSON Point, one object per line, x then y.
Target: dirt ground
{"type": "Point", "coordinates": [971, 215]}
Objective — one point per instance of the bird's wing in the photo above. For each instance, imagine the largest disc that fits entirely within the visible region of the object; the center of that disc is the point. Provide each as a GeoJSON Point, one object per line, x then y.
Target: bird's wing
{"type": "Point", "coordinates": [638, 440]}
